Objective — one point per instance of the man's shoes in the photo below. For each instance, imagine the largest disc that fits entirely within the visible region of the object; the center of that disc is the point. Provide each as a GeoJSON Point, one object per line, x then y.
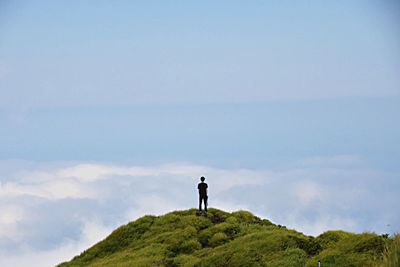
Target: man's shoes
{"type": "Point", "coordinates": [201, 212]}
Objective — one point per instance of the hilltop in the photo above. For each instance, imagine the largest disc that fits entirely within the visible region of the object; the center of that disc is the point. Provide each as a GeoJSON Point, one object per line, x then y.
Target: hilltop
{"type": "Point", "coordinates": [182, 238]}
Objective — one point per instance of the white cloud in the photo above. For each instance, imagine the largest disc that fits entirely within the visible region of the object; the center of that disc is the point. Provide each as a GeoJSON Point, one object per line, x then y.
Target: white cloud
{"type": "Point", "coordinates": [57, 189]}
{"type": "Point", "coordinates": [92, 233]}
{"type": "Point", "coordinates": [93, 172]}
{"type": "Point", "coordinates": [308, 192]}
{"type": "Point", "coordinates": [323, 223]}
{"type": "Point", "coordinates": [333, 161]}
{"type": "Point", "coordinates": [9, 217]}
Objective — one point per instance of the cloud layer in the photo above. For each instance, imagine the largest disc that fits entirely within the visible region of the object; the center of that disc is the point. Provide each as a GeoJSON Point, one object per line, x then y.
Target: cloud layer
{"type": "Point", "coordinates": [53, 210]}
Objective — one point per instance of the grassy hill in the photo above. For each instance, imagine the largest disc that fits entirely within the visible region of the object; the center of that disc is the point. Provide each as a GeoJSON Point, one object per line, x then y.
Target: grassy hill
{"type": "Point", "coordinates": [181, 238]}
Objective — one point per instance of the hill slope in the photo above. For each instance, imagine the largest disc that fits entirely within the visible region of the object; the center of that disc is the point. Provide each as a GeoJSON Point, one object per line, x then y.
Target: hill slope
{"type": "Point", "coordinates": [182, 238]}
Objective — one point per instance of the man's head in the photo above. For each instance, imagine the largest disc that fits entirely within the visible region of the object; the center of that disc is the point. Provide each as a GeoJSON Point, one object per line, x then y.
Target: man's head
{"type": "Point", "coordinates": [202, 178]}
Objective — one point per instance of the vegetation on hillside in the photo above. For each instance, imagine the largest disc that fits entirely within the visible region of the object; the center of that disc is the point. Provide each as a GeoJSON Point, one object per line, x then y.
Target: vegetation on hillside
{"type": "Point", "coordinates": [391, 256]}
{"type": "Point", "coordinates": [182, 238]}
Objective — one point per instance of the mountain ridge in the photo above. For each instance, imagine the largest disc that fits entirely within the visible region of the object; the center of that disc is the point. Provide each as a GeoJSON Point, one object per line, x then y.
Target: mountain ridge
{"type": "Point", "coordinates": [186, 238]}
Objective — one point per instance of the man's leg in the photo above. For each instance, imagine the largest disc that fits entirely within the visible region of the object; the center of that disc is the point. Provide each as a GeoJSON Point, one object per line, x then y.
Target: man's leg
{"type": "Point", "coordinates": [205, 203]}
{"type": "Point", "coordinates": [200, 202]}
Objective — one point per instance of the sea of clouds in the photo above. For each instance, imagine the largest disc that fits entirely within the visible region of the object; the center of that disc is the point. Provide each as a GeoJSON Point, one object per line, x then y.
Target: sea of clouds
{"type": "Point", "coordinates": [51, 211]}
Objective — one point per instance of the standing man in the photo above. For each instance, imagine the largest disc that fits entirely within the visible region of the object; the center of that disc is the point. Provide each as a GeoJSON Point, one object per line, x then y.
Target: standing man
{"type": "Point", "coordinates": [202, 187]}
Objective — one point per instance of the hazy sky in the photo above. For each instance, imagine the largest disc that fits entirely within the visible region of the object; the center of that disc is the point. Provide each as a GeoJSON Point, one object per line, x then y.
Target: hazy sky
{"type": "Point", "coordinates": [289, 108]}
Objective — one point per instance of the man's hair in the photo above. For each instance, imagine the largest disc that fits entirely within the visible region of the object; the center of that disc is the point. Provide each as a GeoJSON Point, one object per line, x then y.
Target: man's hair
{"type": "Point", "coordinates": [202, 178]}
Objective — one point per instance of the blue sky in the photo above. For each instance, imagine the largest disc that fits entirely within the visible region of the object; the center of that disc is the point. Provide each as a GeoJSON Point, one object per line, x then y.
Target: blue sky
{"type": "Point", "coordinates": [290, 109]}
{"type": "Point", "coordinates": [233, 135]}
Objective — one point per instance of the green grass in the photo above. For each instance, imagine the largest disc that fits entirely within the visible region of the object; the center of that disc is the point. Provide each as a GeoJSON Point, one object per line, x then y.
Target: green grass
{"type": "Point", "coordinates": [391, 257]}
{"type": "Point", "coordinates": [181, 238]}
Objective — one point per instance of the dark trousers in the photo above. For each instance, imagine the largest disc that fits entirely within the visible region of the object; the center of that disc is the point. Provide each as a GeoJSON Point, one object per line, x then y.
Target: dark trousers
{"type": "Point", "coordinates": [201, 199]}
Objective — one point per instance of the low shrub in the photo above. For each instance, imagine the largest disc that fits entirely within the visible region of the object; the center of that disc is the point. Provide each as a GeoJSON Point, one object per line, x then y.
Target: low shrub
{"type": "Point", "coordinates": [218, 239]}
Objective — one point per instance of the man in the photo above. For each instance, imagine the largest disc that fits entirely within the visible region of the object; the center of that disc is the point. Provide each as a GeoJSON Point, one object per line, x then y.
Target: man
{"type": "Point", "coordinates": [202, 187]}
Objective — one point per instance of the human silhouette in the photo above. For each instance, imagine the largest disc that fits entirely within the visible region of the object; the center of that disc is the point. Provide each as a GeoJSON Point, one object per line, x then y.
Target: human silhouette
{"type": "Point", "coordinates": [202, 187]}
